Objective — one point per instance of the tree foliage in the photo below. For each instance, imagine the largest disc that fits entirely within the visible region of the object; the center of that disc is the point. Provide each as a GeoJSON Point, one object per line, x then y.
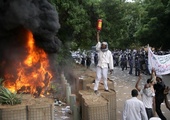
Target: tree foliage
{"type": "Point", "coordinates": [125, 24]}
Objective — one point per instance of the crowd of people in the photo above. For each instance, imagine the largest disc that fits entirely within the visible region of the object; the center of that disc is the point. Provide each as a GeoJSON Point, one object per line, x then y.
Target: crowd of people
{"type": "Point", "coordinates": [135, 60]}
{"type": "Point", "coordinates": [153, 93]}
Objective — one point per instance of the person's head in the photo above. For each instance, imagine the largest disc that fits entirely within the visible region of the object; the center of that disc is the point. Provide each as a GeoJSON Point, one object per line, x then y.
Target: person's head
{"type": "Point", "coordinates": [158, 78]}
{"type": "Point", "coordinates": [104, 46]}
{"type": "Point", "coordinates": [134, 93]}
{"type": "Point", "coordinates": [150, 81]}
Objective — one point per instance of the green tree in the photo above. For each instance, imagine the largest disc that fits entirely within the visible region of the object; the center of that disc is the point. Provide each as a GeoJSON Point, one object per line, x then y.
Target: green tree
{"type": "Point", "coordinates": [124, 24]}
{"type": "Point", "coordinates": [155, 25]}
{"type": "Point", "coordinates": [76, 27]}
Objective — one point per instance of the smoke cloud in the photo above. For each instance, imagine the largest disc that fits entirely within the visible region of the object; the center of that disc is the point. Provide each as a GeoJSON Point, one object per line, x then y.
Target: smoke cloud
{"type": "Point", "coordinates": [38, 16]}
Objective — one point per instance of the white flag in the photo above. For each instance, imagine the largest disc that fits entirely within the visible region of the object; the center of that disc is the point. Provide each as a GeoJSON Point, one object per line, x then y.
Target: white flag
{"type": "Point", "coordinates": [161, 63]}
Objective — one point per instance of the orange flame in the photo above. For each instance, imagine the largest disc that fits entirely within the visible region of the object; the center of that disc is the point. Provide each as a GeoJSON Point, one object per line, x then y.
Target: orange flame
{"type": "Point", "coordinates": [33, 75]}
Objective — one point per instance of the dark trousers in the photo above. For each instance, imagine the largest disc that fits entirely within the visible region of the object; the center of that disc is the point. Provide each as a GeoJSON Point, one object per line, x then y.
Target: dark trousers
{"type": "Point", "coordinates": [124, 66]}
{"type": "Point", "coordinates": [149, 112]}
{"type": "Point", "coordinates": [147, 70]}
{"type": "Point", "coordinates": [131, 68]}
{"type": "Point", "coordinates": [137, 71]}
{"type": "Point", "coordinates": [158, 109]}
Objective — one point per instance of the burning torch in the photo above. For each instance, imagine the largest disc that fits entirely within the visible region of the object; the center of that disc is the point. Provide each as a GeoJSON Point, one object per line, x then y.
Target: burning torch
{"type": "Point", "coordinates": [99, 24]}
{"type": "Point", "coordinates": [99, 27]}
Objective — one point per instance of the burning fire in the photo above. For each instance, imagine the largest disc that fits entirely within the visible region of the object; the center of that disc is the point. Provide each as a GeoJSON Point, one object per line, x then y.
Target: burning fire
{"type": "Point", "coordinates": [32, 74]}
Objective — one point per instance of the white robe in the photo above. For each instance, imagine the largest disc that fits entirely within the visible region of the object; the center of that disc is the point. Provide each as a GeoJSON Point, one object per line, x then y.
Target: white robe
{"type": "Point", "coordinates": [134, 110]}
{"type": "Point", "coordinates": [105, 59]}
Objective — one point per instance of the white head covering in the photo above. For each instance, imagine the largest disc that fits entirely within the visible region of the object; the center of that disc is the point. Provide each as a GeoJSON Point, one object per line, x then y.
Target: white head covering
{"type": "Point", "coordinates": [105, 43]}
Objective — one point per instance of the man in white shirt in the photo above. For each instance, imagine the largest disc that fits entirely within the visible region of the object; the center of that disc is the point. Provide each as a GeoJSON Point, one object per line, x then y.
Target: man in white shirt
{"type": "Point", "coordinates": [105, 62]}
{"type": "Point", "coordinates": [134, 108]}
{"type": "Point", "coordinates": [148, 96]}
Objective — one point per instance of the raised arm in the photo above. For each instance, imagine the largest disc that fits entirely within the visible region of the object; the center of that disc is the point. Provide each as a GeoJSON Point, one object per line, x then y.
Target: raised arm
{"type": "Point", "coordinates": [98, 39]}
{"type": "Point", "coordinates": [137, 83]}
{"type": "Point", "coordinates": [153, 74]}
{"type": "Point", "coordinates": [98, 45]}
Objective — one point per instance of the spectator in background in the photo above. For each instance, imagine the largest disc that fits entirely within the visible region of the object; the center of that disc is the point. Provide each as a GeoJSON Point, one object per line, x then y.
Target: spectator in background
{"type": "Point", "coordinates": [83, 60]}
{"type": "Point", "coordinates": [137, 66]}
{"type": "Point", "coordinates": [146, 65]}
{"type": "Point", "coordinates": [124, 62]}
{"type": "Point", "coordinates": [130, 59]}
{"type": "Point", "coordinates": [88, 61]}
{"type": "Point", "coordinates": [134, 108]}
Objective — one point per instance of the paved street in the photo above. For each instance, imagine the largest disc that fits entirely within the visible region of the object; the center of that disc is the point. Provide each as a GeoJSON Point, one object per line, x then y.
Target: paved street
{"type": "Point", "coordinates": [124, 83]}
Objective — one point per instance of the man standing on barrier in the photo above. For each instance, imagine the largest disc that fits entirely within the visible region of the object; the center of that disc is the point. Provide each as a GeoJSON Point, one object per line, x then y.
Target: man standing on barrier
{"type": "Point", "coordinates": [105, 62]}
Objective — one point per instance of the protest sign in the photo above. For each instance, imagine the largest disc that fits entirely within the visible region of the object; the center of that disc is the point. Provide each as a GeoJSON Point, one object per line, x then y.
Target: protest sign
{"type": "Point", "coordinates": [161, 63]}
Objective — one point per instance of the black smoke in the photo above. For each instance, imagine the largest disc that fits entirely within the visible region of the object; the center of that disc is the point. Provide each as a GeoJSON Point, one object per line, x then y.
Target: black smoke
{"type": "Point", "coordinates": [16, 18]}
{"type": "Point", "coordinates": [38, 16]}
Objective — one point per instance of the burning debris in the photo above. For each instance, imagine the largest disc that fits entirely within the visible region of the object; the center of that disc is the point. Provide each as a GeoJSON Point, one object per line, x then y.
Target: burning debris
{"type": "Point", "coordinates": [33, 74]}
{"type": "Point", "coordinates": [28, 39]}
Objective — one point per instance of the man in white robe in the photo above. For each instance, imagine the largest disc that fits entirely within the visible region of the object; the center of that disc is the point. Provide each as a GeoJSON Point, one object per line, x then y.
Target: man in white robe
{"type": "Point", "coordinates": [105, 62]}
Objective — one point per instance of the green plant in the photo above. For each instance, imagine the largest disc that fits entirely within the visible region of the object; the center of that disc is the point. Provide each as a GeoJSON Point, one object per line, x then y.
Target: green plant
{"type": "Point", "coordinates": [7, 97]}
{"type": "Point", "coordinates": [1, 81]}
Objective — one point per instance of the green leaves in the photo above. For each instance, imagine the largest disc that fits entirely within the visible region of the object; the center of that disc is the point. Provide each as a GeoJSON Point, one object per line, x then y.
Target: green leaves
{"type": "Point", "coordinates": [7, 97]}
{"type": "Point", "coordinates": [124, 24]}
{"type": "Point", "coordinates": [154, 24]}
{"type": "Point", "coordinates": [1, 81]}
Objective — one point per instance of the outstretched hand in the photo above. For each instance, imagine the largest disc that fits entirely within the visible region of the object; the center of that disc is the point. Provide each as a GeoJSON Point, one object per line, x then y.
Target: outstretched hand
{"type": "Point", "coordinates": [153, 72]}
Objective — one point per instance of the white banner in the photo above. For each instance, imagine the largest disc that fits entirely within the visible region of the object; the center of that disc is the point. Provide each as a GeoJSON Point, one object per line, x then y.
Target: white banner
{"type": "Point", "coordinates": [161, 63]}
